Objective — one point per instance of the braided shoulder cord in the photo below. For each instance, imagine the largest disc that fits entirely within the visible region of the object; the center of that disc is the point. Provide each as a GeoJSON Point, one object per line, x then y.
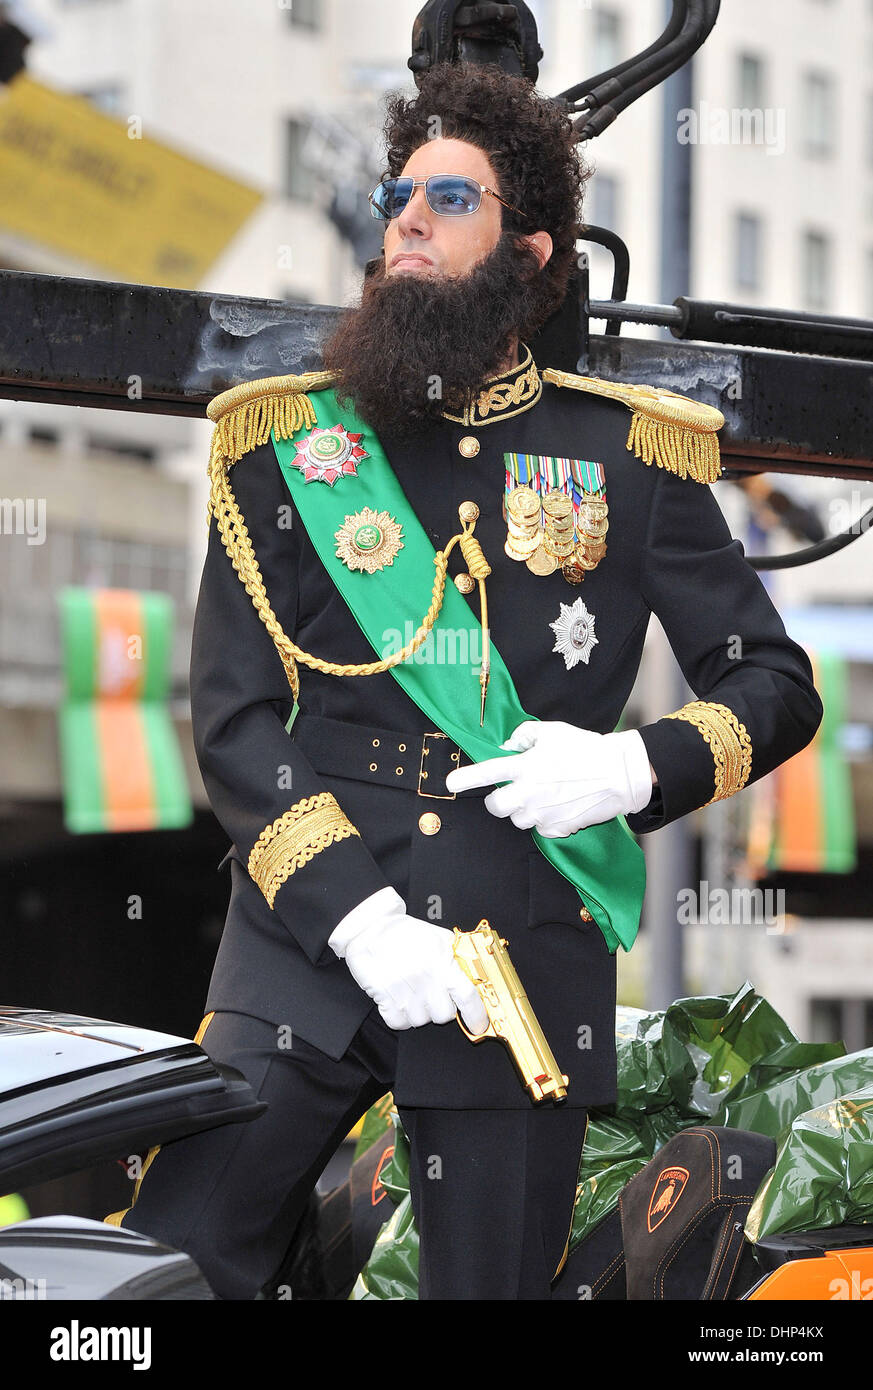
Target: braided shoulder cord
{"type": "Point", "coordinates": [235, 538]}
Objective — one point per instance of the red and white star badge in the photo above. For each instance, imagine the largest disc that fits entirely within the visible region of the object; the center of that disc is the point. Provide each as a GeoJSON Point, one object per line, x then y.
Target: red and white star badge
{"type": "Point", "coordinates": [325, 455]}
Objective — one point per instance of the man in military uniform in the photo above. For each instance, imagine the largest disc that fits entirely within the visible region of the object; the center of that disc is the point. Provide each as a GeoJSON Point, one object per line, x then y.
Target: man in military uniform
{"type": "Point", "coordinates": [453, 756]}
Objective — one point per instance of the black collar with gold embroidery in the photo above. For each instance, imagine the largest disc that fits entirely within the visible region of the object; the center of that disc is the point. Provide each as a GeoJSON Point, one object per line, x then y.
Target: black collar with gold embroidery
{"type": "Point", "coordinates": [503, 396]}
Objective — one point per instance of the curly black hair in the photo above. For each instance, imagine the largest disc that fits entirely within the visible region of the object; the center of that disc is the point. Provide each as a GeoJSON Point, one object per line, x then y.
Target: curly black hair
{"type": "Point", "coordinates": [527, 137]}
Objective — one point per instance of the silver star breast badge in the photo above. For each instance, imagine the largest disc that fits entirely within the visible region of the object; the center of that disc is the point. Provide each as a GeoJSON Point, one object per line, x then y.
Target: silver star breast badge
{"type": "Point", "coordinates": [574, 631]}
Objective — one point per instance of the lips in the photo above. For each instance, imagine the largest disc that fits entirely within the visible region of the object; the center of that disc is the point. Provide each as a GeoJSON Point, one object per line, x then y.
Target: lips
{"type": "Point", "coordinates": [410, 259]}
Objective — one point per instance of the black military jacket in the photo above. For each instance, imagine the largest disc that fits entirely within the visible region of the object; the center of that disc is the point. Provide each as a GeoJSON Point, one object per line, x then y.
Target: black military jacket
{"type": "Point", "coordinates": [669, 552]}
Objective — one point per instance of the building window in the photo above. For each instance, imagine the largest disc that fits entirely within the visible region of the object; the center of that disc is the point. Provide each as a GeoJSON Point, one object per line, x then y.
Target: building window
{"type": "Point", "coordinates": [102, 445]}
{"type": "Point", "coordinates": [38, 434]}
{"type": "Point", "coordinates": [819, 114]}
{"type": "Point", "coordinates": [304, 14]}
{"type": "Point", "coordinates": [300, 180]}
{"type": "Point", "coordinates": [747, 251]}
{"type": "Point", "coordinates": [816, 270]}
{"type": "Point", "coordinates": [750, 82]}
{"type": "Point", "coordinates": [607, 39]}
{"type": "Point", "coordinates": [605, 201]}
{"type": "Point", "coordinates": [849, 1021]}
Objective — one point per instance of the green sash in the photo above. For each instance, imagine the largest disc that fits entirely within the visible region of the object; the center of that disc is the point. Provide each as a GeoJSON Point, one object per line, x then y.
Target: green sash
{"type": "Point", "coordinates": [603, 862]}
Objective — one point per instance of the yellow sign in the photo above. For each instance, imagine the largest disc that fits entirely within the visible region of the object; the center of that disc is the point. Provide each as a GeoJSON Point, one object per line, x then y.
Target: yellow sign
{"type": "Point", "coordinates": [84, 183]}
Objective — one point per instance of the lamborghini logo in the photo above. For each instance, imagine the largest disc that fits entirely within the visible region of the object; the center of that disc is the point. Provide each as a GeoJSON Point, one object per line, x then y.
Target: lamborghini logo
{"type": "Point", "coordinates": [666, 1193]}
{"type": "Point", "coordinates": [377, 1191]}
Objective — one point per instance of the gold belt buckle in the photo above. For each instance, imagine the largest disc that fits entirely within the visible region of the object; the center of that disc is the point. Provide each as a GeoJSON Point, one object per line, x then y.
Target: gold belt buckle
{"type": "Point", "coordinates": [422, 772]}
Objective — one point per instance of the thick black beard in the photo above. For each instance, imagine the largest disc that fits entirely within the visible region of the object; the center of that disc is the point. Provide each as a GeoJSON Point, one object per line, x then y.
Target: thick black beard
{"type": "Point", "coordinates": [420, 344]}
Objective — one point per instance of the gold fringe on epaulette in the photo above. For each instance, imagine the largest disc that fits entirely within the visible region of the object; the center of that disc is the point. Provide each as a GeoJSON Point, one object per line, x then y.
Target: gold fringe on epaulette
{"type": "Point", "coordinates": [245, 415]}
{"type": "Point", "coordinates": [688, 452]}
{"type": "Point", "coordinates": [669, 430]}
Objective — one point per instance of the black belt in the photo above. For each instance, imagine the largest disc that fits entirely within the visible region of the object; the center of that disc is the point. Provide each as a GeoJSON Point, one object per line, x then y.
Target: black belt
{"type": "Point", "coordinates": [419, 762]}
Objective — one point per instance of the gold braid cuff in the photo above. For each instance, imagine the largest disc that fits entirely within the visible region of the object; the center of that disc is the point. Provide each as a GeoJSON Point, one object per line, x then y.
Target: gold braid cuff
{"type": "Point", "coordinates": [244, 417]}
{"type": "Point", "coordinates": [295, 838]}
{"type": "Point", "coordinates": [672, 431]}
{"type": "Point", "coordinates": [729, 741]}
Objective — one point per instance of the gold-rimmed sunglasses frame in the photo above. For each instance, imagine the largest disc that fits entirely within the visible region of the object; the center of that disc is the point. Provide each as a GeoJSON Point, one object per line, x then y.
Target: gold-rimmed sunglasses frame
{"type": "Point", "coordinates": [418, 183]}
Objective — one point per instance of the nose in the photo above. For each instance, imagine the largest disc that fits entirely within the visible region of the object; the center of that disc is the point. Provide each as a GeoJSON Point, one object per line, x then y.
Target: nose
{"type": "Point", "coordinates": [415, 219]}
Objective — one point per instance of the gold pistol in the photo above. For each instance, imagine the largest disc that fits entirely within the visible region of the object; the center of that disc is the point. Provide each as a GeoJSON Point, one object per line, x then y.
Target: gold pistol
{"type": "Point", "coordinates": [484, 959]}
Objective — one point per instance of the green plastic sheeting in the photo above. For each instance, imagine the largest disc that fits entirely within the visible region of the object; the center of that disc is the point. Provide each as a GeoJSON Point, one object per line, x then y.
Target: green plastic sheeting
{"type": "Point", "coordinates": [716, 1059]}
{"type": "Point", "coordinates": [392, 1270]}
{"type": "Point", "coordinates": [823, 1174]}
{"type": "Point", "coordinates": [678, 1068]}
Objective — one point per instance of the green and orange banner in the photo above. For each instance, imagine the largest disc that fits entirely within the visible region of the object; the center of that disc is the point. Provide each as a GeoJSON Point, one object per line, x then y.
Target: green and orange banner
{"type": "Point", "coordinates": [121, 764]}
{"type": "Point", "coordinates": [803, 820]}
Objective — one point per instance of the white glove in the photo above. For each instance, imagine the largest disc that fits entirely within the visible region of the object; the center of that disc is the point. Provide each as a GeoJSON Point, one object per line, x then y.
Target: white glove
{"type": "Point", "coordinates": [564, 778]}
{"type": "Point", "coordinates": [405, 965]}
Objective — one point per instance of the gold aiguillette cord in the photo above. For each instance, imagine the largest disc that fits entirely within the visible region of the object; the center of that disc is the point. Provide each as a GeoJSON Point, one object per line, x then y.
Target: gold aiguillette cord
{"type": "Point", "coordinates": [479, 568]}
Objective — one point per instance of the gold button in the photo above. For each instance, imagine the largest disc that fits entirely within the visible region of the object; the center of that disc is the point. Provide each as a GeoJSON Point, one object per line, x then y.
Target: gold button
{"type": "Point", "coordinates": [401, 747]}
{"type": "Point", "coordinates": [469, 446]}
{"type": "Point", "coordinates": [399, 771]}
{"type": "Point", "coordinates": [375, 743]}
{"type": "Point", "coordinates": [465, 583]}
{"type": "Point", "coordinates": [429, 823]}
{"type": "Point", "coordinates": [585, 914]}
{"type": "Point", "coordinates": [374, 767]}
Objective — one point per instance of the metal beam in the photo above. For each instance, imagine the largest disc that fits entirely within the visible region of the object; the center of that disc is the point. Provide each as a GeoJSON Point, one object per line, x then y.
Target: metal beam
{"type": "Point", "coordinates": [168, 351]}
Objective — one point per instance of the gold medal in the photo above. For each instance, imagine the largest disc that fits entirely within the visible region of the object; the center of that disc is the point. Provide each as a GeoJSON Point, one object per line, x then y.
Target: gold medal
{"type": "Point", "coordinates": [581, 559]}
{"type": "Point", "coordinates": [561, 550]}
{"type": "Point", "coordinates": [594, 511]}
{"type": "Point", "coordinates": [572, 572]}
{"type": "Point", "coordinates": [523, 505]}
{"type": "Point", "coordinates": [522, 550]}
{"type": "Point", "coordinates": [368, 540]}
{"type": "Point", "coordinates": [541, 562]}
{"type": "Point", "coordinates": [558, 507]}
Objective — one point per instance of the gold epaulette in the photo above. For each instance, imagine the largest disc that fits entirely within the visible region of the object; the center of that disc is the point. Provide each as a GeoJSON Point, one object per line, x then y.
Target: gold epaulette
{"type": "Point", "coordinates": [674, 432]}
{"type": "Point", "coordinates": [245, 415]}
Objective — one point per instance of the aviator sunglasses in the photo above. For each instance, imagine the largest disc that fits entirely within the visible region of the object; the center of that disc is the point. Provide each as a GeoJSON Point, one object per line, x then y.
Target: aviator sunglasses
{"type": "Point", "coordinates": [448, 195]}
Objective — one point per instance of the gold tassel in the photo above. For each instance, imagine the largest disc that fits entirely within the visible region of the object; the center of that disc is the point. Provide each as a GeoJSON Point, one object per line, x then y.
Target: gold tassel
{"type": "Point", "coordinates": [669, 430]}
{"type": "Point", "coordinates": [245, 415]}
{"type": "Point", "coordinates": [685, 452]}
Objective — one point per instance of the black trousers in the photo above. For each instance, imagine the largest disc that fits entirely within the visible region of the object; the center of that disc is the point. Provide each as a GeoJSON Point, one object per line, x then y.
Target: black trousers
{"type": "Point", "coordinates": [492, 1190]}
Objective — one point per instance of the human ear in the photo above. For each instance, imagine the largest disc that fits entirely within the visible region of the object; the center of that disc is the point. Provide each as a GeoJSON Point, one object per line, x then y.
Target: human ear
{"type": "Point", "coordinates": [541, 245]}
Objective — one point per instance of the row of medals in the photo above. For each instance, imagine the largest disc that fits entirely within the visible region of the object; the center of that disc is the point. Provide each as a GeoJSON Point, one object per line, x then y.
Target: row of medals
{"type": "Point", "coordinates": [548, 532]}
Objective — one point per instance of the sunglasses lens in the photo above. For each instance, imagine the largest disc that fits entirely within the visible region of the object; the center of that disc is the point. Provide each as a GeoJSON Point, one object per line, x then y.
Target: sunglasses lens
{"type": "Point", "coordinates": [452, 196]}
{"type": "Point", "coordinates": [391, 197]}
